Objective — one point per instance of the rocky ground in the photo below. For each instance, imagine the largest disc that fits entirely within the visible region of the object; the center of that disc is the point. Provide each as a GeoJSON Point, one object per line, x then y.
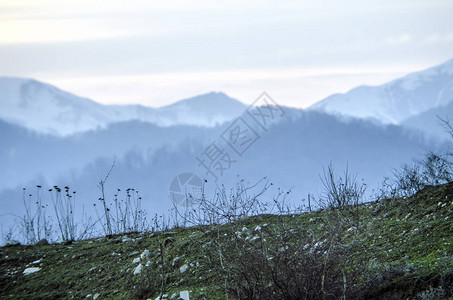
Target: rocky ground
{"type": "Point", "coordinates": [411, 242]}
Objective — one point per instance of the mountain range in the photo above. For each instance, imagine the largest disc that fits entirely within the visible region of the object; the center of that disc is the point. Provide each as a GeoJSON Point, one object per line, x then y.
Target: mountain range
{"type": "Point", "coordinates": [46, 109]}
{"type": "Point", "coordinates": [428, 92]}
{"type": "Point", "coordinates": [50, 137]}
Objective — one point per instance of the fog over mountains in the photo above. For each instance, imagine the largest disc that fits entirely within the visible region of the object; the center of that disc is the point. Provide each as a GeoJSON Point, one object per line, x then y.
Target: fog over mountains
{"type": "Point", "coordinates": [50, 137]}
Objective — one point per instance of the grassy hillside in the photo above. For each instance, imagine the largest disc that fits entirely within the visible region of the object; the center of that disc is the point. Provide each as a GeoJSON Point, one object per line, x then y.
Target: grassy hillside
{"type": "Point", "coordinates": [391, 249]}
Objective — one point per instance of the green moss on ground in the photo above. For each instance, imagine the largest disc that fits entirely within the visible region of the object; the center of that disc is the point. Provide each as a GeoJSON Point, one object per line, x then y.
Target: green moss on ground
{"type": "Point", "coordinates": [409, 240]}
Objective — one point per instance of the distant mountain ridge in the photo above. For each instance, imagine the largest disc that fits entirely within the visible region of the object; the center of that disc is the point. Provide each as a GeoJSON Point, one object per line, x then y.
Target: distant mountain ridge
{"type": "Point", "coordinates": [46, 109]}
{"type": "Point", "coordinates": [409, 101]}
{"type": "Point", "coordinates": [291, 153]}
{"type": "Point", "coordinates": [149, 151]}
{"type": "Point", "coordinates": [397, 100]}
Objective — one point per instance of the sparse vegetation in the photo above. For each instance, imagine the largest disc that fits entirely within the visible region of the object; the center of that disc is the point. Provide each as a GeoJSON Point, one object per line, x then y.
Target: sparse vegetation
{"type": "Point", "coordinates": [402, 249]}
{"type": "Point", "coordinates": [35, 223]}
{"type": "Point", "coordinates": [64, 207]}
{"type": "Point", "coordinates": [239, 247]}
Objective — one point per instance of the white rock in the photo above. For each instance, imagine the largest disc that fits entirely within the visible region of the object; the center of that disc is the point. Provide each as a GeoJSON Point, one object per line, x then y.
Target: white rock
{"type": "Point", "coordinates": [96, 296]}
{"type": "Point", "coordinates": [184, 268]}
{"type": "Point", "coordinates": [145, 254]}
{"type": "Point", "coordinates": [127, 239]}
{"type": "Point", "coordinates": [175, 261]}
{"type": "Point", "coordinates": [244, 229]}
{"type": "Point", "coordinates": [138, 269]}
{"type": "Point", "coordinates": [255, 238]}
{"type": "Point", "coordinates": [184, 295]}
{"type": "Point", "coordinates": [36, 262]}
{"type": "Point", "coordinates": [283, 249]}
{"type": "Point", "coordinates": [136, 260]}
{"type": "Point", "coordinates": [135, 253]}
{"type": "Point", "coordinates": [31, 270]}
{"type": "Point", "coordinates": [258, 228]}
{"type": "Point", "coordinates": [11, 243]}
{"type": "Point", "coordinates": [148, 263]}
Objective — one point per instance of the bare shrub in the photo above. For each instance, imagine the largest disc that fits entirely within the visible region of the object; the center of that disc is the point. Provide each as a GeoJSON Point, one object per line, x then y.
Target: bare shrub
{"type": "Point", "coordinates": [227, 206]}
{"type": "Point", "coordinates": [437, 169]}
{"type": "Point", "coordinates": [341, 197]}
{"type": "Point", "coordinates": [282, 263]}
{"type": "Point", "coordinates": [408, 180]}
{"type": "Point", "coordinates": [284, 260]}
{"type": "Point", "coordinates": [342, 192]}
{"type": "Point", "coordinates": [433, 170]}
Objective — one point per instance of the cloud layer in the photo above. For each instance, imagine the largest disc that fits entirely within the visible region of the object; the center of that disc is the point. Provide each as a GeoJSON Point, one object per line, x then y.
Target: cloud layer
{"type": "Point", "coordinates": [155, 52]}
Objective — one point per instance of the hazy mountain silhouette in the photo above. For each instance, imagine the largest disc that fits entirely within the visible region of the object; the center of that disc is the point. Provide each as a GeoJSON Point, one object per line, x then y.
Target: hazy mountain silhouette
{"type": "Point", "coordinates": [290, 153]}
{"type": "Point", "coordinates": [46, 109]}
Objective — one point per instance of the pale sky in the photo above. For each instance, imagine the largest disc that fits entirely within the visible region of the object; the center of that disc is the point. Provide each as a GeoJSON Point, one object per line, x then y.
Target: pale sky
{"type": "Point", "coordinates": [157, 52]}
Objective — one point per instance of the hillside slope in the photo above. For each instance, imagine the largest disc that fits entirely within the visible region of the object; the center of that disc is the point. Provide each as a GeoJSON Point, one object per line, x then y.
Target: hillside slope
{"type": "Point", "coordinates": [404, 246]}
